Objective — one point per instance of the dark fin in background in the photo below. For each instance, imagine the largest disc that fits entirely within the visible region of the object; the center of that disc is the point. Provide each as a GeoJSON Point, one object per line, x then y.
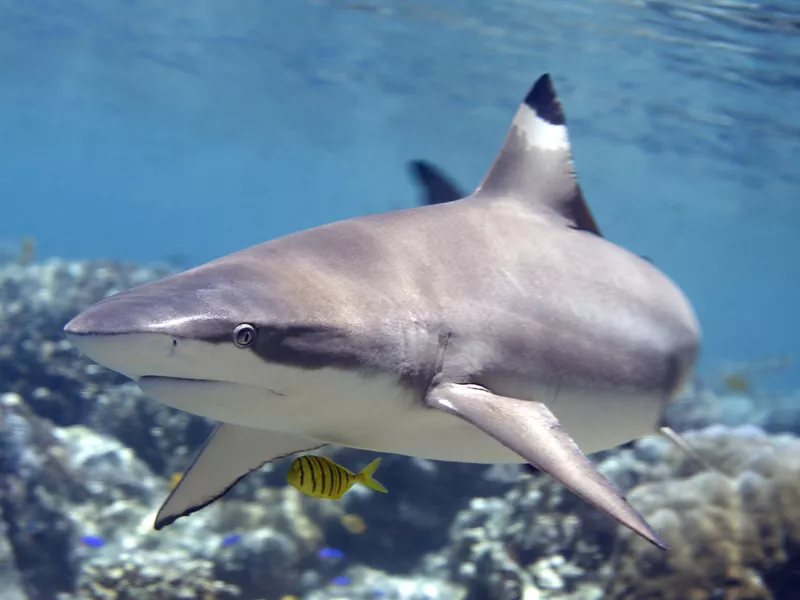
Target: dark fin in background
{"type": "Point", "coordinates": [535, 163]}
{"type": "Point", "coordinates": [228, 455]}
{"type": "Point", "coordinates": [530, 469]}
{"type": "Point", "coordinates": [436, 186]}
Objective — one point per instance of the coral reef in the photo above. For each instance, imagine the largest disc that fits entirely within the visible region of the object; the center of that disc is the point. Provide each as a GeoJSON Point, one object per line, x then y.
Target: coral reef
{"type": "Point", "coordinates": [362, 583]}
{"type": "Point", "coordinates": [11, 587]}
{"type": "Point", "coordinates": [76, 501]}
{"type": "Point", "coordinates": [734, 530]}
{"type": "Point", "coordinates": [151, 578]}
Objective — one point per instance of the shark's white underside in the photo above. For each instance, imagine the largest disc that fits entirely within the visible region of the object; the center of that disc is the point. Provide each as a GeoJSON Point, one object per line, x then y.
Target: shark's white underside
{"type": "Point", "coordinates": [347, 408]}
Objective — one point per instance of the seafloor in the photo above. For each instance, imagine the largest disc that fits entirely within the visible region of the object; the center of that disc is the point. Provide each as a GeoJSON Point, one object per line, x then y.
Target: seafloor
{"type": "Point", "coordinates": [86, 460]}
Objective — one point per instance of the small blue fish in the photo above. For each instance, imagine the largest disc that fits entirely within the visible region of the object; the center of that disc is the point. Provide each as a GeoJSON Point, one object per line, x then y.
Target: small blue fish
{"type": "Point", "coordinates": [95, 541]}
{"type": "Point", "coordinates": [341, 580]}
{"type": "Point", "coordinates": [330, 553]}
{"type": "Point", "coordinates": [230, 539]}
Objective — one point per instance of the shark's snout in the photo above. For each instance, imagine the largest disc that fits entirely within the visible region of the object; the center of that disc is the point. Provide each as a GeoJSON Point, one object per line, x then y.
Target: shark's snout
{"type": "Point", "coordinates": [119, 334]}
{"type": "Point", "coordinates": [135, 332]}
{"type": "Point", "coordinates": [118, 315]}
{"type": "Point", "coordinates": [182, 326]}
{"type": "Point", "coordinates": [192, 305]}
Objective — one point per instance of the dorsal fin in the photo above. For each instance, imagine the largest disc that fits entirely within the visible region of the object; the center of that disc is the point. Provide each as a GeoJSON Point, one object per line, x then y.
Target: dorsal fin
{"type": "Point", "coordinates": [535, 163]}
{"type": "Point", "coordinates": [437, 187]}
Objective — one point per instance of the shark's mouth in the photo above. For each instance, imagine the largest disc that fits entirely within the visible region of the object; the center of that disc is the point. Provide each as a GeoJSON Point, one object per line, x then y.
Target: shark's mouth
{"type": "Point", "coordinates": [155, 382]}
{"type": "Point", "coordinates": [225, 401]}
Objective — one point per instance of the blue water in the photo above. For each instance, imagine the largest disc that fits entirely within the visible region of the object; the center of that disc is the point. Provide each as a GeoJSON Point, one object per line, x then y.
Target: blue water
{"type": "Point", "coordinates": [146, 130]}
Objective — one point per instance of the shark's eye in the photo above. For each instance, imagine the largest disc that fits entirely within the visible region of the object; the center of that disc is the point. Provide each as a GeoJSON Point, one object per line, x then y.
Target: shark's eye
{"type": "Point", "coordinates": [244, 335]}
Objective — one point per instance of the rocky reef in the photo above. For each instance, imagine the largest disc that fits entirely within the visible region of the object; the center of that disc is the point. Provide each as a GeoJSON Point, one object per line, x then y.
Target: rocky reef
{"type": "Point", "coordinates": [734, 528]}
{"type": "Point", "coordinates": [86, 461]}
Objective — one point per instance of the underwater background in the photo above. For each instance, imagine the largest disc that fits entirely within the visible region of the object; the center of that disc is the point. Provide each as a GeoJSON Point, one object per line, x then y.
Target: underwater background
{"type": "Point", "coordinates": [140, 137]}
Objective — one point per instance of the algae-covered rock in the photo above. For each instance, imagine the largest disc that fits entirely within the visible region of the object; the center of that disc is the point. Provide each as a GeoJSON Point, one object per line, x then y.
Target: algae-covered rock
{"type": "Point", "coordinates": [36, 486]}
{"type": "Point", "coordinates": [538, 541]}
{"type": "Point", "coordinates": [74, 501]}
{"type": "Point", "coordinates": [11, 587]}
{"type": "Point", "coordinates": [361, 583]}
{"type": "Point", "coordinates": [151, 577]}
{"type": "Point", "coordinates": [734, 530]}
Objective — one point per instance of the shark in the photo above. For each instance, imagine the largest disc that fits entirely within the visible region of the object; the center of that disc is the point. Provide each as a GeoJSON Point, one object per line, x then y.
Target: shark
{"type": "Point", "coordinates": [497, 327]}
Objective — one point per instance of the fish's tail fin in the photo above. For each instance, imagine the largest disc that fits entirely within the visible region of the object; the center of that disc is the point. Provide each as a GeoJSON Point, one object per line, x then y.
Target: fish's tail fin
{"type": "Point", "coordinates": [365, 477]}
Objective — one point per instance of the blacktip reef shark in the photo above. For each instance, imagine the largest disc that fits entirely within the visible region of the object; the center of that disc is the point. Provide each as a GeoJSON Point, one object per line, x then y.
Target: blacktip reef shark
{"type": "Point", "coordinates": [497, 328]}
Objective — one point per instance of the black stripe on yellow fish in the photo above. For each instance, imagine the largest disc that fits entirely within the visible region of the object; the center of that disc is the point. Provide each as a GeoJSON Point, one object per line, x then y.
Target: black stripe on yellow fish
{"type": "Point", "coordinates": [335, 484]}
{"type": "Point", "coordinates": [333, 470]}
{"type": "Point", "coordinates": [325, 466]}
{"type": "Point", "coordinates": [311, 474]}
{"type": "Point", "coordinates": [344, 482]}
{"type": "Point", "coordinates": [317, 474]}
{"type": "Point", "coordinates": [342, 475]}
{"type": "Point", "coordinates": [307, 465]}
{"type": "Point", "coordinates": [338, 475]}
{"type": "Point", "coordinates": [349, 479]}
{"type": "Point", "coordinates": [330, 471]}
{"type": "Point", "coordinates": [321, 477]}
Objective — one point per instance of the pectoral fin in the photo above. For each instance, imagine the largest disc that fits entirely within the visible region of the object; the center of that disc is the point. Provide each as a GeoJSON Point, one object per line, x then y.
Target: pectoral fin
{"type": "Point", "coordinates": [682, 445]}
{"type": "Point", "coordinates": [531, 430]}
{"type": "Point", "coordinates": [230, 453]}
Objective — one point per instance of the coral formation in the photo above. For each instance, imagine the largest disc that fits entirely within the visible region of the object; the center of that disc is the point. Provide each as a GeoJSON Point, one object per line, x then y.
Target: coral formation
{"type": "Point", "coordinates": [734, 531]}
{"type": "Point", "coordinates": [151, 578]}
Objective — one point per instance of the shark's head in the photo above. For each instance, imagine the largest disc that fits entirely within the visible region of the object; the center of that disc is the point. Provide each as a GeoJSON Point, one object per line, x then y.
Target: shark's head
{"type": "Point", "coordinates": [190, 325]}
{"type": "Point", "coordinates": [223, 320]}
{"type": "Point", "coordinates": [225, 340]}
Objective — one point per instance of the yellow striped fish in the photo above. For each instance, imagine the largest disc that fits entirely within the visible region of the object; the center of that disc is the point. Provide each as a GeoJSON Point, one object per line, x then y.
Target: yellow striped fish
{"type": "Point", "coordinates": [320, 477]}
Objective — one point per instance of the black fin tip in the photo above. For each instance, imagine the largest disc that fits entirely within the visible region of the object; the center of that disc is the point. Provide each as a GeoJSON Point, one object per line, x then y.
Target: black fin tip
{"type": "Point", "coordinates": [543, 101]}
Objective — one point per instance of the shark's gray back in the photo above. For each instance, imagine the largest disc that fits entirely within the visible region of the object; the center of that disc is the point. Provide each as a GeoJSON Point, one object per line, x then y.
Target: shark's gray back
{"type": "Point", "coordinates": [478, 275]}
